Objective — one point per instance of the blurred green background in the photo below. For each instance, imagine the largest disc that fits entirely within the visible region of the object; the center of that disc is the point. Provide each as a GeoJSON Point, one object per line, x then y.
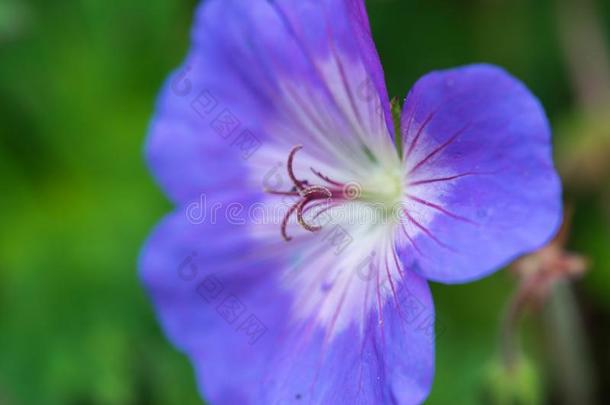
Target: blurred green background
{"type": "Point", "coordinates": [78, 80]}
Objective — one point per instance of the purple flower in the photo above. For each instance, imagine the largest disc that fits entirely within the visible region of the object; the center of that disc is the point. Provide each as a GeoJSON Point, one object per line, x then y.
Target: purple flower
{"type": "Point", "coordinates": [294, 267]}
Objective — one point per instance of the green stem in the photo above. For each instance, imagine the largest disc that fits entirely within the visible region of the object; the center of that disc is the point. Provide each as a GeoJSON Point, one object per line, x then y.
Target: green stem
{"type": "Point", "coordinates": [571, 361]}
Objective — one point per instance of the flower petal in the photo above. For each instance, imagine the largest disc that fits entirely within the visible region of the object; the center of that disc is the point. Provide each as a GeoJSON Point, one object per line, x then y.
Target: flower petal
{"type": "Point", "coordinates": [229, 313]}
{"type": "Point", "coordinates": [481, 186]}
{"type": "Point", "coordinates": [268, 76]}
{"type": "Point", "coordinates": [261, 78]}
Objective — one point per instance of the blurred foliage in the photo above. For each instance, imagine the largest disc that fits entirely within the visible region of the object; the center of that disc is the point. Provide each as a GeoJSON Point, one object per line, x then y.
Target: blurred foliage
{"type": "Point", "coordinates": [513, 387]}
{"type": "Point", "coordinates": [78, 81]}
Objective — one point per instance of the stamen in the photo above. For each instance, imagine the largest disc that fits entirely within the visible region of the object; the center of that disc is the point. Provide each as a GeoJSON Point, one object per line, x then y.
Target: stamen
{"type": "Point", "coordinates": [325, 178]}
{"type": "Point", "coordinates": [284, 193]}
{"type": "Point", "coordinates": [312, 193]}
{"type": "Point", "coordinates": [307, 194]}
{"type": "Point", "coordinates": [297, 183]}
{"type": "Point", "coordinates": [285, 222]}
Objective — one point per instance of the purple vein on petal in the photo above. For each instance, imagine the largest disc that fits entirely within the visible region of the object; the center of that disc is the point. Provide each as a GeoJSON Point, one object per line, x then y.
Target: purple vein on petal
{"type": "Point", "coordinates": [380, 310]}
{"type": "Point", "coordinates": [404, 230]}
{"type": "Point", "coordinates": [321, 127]}
{"type": "Point", "coordinates": [403, 277]}
{"type": "Point", "coordinates": [387, 270]}
{"type": "Point", "coordinates": [449, 178]}
{"type": "Point", "coordinates": [407, 130]}
{"type": "Point", "coordinates": [308, 328]}
{"type": "Point", "coordinates": [361, 363]}
{"type": "Point", "coordinates": [397, 301]}
{"type": "Point", "coordinates": [272, 65]}
{"type": "Point", "coordinates": [291, 29]}
{"type": "Point", "coordinates": [305, 108]}
{"type": "Point", "coordinates": [427, 231]}
{"type": "Point", "coordinates": [419, 133]}
{"type": "Point", "coordinates": [365, 332]}
{"type": "Point", "coordinates": [439, 149]}
{"type": "Point", "coordinates": [397, 262]}
{"type": "Point", "coordinates": [344, 78]}
{"type": "Point", "coordinates": [329, 332]}
{"type": "Point", "coordinates": [335, 317]}
{"type": "Point", "coordinates": [372, 114]}
{"type": "Point", "coordinates": [439, 208]}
